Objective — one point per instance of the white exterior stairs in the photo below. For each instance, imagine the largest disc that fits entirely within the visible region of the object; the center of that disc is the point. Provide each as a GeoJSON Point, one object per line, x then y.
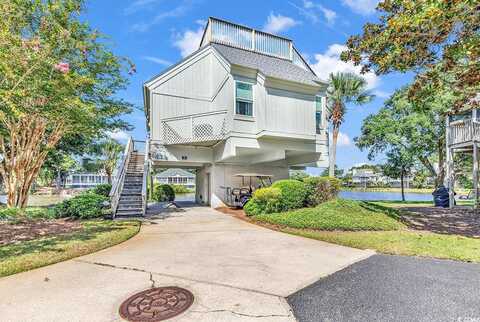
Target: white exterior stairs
{"type": "Point", "coordinates": [130, 203]}
{"type": "Point", "coordinates": [128, 195]}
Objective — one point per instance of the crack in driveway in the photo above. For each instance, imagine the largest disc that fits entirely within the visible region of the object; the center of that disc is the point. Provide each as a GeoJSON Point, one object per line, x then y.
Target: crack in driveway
{"type": "Point", "coordinates": [177, 277]}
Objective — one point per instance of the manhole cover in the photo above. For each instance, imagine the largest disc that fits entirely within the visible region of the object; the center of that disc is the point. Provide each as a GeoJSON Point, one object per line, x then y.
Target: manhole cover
{"type": "Point", "coordinates": [156, 304]}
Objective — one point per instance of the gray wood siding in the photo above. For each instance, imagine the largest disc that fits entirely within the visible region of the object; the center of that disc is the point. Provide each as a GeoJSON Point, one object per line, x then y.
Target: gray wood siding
{"type": "Point", "coordinates": [201, 85]}
{"type": "Point", "coordinates": [289, 112]}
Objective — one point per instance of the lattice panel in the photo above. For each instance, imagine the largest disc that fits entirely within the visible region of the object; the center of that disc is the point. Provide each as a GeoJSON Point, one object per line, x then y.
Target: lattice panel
{"type": "Point", "coordinates": [194, 129]}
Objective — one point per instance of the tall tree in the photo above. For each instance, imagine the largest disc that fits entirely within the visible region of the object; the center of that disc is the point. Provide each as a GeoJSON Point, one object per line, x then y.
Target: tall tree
{"type": "Point", "coordinates": [438, 40]}
{"type": "Point", "coordinates": [398, 165]}
{"type": "Point", "coordinates": [344, 88]}
{"type": "Point", "coordinates": [401, 124]}
{"type": "Point", "coordinates": [57, 78]}
{"type": "Point", "coordinates": [110, 151]}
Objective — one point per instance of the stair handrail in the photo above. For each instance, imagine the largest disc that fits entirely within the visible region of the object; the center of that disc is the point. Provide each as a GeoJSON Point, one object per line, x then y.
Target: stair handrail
{"type": "Point", "coordinates": [146, 171]}
{"type": "Point", "coordinates": [117, 184]}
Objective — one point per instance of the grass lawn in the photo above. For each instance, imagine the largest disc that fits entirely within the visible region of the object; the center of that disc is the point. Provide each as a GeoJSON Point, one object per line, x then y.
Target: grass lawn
{"type": "Point", "coordinates": [339, 214]}
{"type": "Point", "coordinates": [368, 225]}
{"type": "Point", "coordinates": [93, 236]}
{"type": "Point", "coordinates": [403, 242]}
{"type": "Point", "coordinates": [401, 204]}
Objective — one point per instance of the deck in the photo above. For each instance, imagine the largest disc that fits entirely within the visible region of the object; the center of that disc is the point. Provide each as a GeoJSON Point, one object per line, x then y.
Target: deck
{"type": "Point", "coordinates": [463, 133]}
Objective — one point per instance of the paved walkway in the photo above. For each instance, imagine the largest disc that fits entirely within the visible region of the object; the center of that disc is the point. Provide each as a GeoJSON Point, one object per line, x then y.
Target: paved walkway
{"type": "Point", "coordinates": [393, 288]}
{"type": "Point", "coordinates": [237, 272]}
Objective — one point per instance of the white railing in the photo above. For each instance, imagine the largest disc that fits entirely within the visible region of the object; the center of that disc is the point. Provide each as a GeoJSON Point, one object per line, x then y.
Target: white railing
{"type": "Point", "coordinates": [146, 172]}
{"type": "Point", "coordinates": [204, 127]}
{"type": "Point", "coordinates": [234, 35]}
{"type": "Point", "coordinates": [463, 131]}
{"type": "Point", "coordinates": [117, 184]}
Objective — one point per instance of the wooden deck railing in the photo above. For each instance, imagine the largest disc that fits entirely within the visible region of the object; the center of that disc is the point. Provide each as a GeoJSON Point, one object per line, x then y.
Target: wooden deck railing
{"type": "Point", "coordinates": [461, 132]}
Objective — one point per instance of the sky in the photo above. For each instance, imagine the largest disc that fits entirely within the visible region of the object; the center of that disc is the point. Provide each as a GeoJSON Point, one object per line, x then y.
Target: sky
{"type": "Point", "coordinates": [157, 33]}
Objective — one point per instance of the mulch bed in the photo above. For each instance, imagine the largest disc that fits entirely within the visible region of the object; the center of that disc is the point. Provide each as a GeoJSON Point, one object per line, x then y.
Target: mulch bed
{"type": "Point", "coordinates": [33, 229]}
{"type": "Point", "coordinates": [462, 221]}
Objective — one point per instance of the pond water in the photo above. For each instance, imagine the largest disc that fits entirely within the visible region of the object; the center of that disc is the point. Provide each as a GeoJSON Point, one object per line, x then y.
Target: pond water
{"type": "Point", "coordinates": [372, 195]}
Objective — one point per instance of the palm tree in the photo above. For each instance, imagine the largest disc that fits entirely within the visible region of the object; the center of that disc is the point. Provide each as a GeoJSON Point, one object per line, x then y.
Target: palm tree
{"type": "Point", "coordinates": [110, 151]}
{"type": "Point", "coordinates": [343, 88]}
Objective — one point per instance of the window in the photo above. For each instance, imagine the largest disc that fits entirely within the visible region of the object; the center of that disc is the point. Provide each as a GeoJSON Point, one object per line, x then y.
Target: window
{"type": "Point", "coordinates": [244, 99]}
{"type": "Point", "coordinates": [318, 114]}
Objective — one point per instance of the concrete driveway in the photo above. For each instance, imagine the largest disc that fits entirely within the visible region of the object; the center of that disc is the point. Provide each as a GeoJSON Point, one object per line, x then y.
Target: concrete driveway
{"type": "Point", "coordinates": [237, 272]}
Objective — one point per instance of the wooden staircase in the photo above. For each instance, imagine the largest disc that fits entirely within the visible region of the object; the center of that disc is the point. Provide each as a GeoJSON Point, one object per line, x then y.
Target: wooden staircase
{"type": "Point", "coordinates": [130, 203]}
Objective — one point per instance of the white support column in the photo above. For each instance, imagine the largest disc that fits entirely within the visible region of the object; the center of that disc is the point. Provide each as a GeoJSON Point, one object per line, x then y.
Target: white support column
{"type": "Point", "coordinates": [475, 173]}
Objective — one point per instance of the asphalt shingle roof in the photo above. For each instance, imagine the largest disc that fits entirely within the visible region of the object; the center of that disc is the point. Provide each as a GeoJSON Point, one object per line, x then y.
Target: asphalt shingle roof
{"type": "Point", "coordinates": [268, 65]}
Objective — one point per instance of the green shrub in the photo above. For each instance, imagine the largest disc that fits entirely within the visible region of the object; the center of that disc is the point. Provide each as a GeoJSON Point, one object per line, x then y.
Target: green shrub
{"type": "Point", "coordinates": [83, 206]}
{"type": "Point", "coordinates": [102, 189]}
{"type": "Point", "coordinates": [264, 201]}
{"type": "Point", "coordinates": [292, 194]}
{"type": "Point", "coordinates": [321, 189]}
{"type": "Point", "coordinates": [11, 213]}
{"type": "Point", "coordinates": [163, 192]}
{"type": "Point", "coordinates": [178, 188]}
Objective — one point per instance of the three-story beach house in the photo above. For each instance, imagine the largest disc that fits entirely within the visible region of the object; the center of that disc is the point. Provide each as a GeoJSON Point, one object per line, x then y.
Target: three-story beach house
{"type": "Point", "coordinates": [245, 102]}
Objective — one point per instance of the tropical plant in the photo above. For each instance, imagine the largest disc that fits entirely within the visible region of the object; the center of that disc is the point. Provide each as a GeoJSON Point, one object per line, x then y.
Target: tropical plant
{"type": "Point", "coordinates": [57, 78]}
{"type": "Point", "coordinates": [344, 88]}
{"type": "Point", "coordinates": [110, 151]}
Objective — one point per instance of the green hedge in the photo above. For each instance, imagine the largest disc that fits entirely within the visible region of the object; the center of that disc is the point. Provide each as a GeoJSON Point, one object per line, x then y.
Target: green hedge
{"type": "Point", "coordinates": [163, 192]}
{"type": "Point", "coordinates": [102, 189]}
{"type": "Point", "coordinates": [264, 201]}
{"type": "Point", "coordinates": [321, 189]}
{"type": "Point", "coordinates": [292, 194]}
{"type": "Point", "coordinates": [178, 188]}
{"type": "Point", "coordinates": [84, 206]}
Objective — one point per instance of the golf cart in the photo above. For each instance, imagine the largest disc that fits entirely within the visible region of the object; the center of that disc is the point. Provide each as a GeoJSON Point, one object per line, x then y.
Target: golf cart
{"type": "Point", "coordinates": [239, 196]}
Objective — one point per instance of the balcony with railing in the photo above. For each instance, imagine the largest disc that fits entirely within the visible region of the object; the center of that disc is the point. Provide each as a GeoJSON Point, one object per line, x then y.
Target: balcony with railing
{"type": "Point", "coordinates": [234, 35]}
{"type": "Point", "coordinates": [463, 132]}
{"type": "Point", "coordinates": [197, 129]}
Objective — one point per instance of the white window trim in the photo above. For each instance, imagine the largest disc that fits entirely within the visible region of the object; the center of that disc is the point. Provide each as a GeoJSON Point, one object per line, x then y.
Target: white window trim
{"type": "Point", "coordinates": [253, 99]}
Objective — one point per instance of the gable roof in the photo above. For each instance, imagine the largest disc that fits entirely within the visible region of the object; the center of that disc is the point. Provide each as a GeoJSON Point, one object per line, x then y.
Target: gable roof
{"type": "Point", "coordinates": [268, 65]}
{"type": "Point", "coordinates": [175, 173]}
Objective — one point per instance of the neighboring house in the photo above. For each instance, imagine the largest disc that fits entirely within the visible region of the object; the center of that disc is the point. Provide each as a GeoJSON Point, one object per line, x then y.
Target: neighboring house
{"type": "Point", "coordinates": [176, 176]}
{"type": "Point", "coordinates": [244, 102]}
{"type": "Point", "coordinates": [84, 180]}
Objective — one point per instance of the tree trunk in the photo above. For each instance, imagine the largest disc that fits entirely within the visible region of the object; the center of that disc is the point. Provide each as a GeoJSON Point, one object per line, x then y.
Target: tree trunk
{"type": "Point", "coordinates": [333, 151]}
{"type": "Point", "coordinates": [23, 153]}
{"type": "Point", "coordinates": [401, 184]}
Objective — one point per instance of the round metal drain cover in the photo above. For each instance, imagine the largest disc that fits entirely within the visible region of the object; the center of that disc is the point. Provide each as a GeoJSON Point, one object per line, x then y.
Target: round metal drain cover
{"type": "Point", "coordinates": [156, 304]}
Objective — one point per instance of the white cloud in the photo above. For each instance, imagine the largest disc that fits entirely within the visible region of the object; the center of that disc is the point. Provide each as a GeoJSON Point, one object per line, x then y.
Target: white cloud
{"type": "Point", "coordinates": [330, 62]}
{"type": "Point", "coordinates": [313, 12]}
{"type": "Point", "coordinates": [157, 60]}
{"type": "Point", "coordinates": [189, 41]}
{"type": "Point", "coordinates": [342, 140]}
{"type": "Point", "coordinates": [178, 11]}
{"type": "Point", "coordinates": [119, 135]}
{"type": "Point", "coordinates": [364, 7]}
{"type": "Point", "coordinates": [138, 5]}
{"type": "Point", "coordinates": [278, 23]}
